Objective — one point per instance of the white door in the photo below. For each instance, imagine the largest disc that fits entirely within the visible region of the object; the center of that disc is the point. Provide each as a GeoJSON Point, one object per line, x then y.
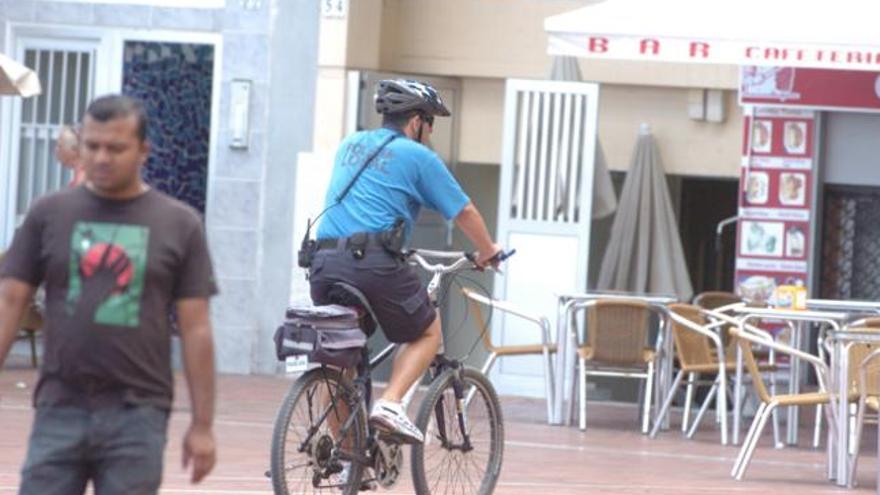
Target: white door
{"type": "Point", "coordinates": [544, 212]}
{"type": "Point", "coordinates": [28, 168]}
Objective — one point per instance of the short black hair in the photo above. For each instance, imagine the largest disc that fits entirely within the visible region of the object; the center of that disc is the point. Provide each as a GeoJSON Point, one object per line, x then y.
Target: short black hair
{"type": "Point", "coordinates": [110, 107]}
{"type": "Point", "coordinates": [397, 120]}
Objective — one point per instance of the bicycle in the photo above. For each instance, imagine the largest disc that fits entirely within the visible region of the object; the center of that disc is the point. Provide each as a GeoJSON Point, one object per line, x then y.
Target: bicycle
{"type": "Point", "coordinates": [333, 445]}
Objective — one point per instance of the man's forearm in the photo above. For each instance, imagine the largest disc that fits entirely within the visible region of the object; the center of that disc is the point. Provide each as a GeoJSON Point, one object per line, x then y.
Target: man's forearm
{"type": "Point", "coordinates": [14, 298]}
{"type": "Point", "coordinates": [8, 328]}
{"type": "Point", "coordinates": [198, 362]}
{"type": "Point", "coordinates": [474, 227]}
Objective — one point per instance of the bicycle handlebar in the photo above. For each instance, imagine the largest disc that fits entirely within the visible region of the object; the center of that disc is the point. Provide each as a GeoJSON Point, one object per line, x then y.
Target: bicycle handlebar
{"type": "Point", "coordinates": [460, 259]}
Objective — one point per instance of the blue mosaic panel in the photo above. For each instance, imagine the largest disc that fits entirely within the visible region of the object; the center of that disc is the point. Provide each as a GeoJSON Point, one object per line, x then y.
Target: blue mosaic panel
{"type": "Point", "coordinates": [174, 80]}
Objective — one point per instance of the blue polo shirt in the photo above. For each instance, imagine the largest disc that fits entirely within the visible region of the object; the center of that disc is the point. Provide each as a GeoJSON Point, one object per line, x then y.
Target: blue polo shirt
{"type": "Point", "coordinates": [400, 180]}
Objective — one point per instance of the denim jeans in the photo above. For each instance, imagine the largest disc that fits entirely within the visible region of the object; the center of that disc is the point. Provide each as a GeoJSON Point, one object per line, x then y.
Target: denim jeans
{"type": "Point", "coordinates": [119, 449]}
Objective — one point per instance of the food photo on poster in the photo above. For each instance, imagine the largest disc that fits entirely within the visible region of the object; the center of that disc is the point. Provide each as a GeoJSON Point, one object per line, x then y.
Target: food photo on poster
{"type": "Point", "coordinates": [795, 137]}
{"type": "Point", "coordinates": [762, 238]}
{"type": "Point", "coordinates": [757, 188]}
{"type": "Point", "coordinates": [762, 136]}
{"type": "Point", "coordinates": [795, 242]}
{"type": "Point", "coordinates": [792, 189]}
{"type": "Point", "coordinates": [760, 286]}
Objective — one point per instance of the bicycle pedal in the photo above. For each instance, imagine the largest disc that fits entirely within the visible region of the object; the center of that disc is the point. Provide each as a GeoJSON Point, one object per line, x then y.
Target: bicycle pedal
{"type": "Point", "coordinates": [396, 438]}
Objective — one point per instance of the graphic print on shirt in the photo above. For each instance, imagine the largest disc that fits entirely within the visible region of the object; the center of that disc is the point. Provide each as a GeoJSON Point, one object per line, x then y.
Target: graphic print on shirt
{"type": "Point", "coordinates": [107, 268]}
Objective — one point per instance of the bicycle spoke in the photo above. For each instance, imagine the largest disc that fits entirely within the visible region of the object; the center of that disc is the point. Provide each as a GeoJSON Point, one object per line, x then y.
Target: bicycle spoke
{"type": "Point", "coordinates": [314, 429]}
{"type": "Point", "coordinates": [462, 465]}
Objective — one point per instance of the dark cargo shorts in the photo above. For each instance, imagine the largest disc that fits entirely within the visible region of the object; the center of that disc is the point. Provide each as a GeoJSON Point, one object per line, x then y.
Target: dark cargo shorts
{"type": "Point", "coordinates": [392, 288]}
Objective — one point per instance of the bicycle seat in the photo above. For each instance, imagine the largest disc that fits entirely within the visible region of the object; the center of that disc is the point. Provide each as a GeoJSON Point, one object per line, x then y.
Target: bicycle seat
{"type": "Point", "coordinates": [348, 295]}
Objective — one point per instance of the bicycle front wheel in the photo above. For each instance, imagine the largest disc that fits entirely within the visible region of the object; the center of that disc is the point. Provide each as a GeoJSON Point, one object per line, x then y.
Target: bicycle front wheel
{"type": "Point", "coordinates": [464, 436]}
{"type": "Point", "coordinates": [308, 437]}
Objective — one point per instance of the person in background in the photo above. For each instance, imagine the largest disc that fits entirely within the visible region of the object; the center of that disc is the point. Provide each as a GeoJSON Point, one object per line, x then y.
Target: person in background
{"type": "Point", "coordinates": [67, 153]}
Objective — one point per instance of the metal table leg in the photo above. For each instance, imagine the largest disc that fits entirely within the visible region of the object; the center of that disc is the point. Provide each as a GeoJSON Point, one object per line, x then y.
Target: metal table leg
{"type": "Point", "coordinates": [560, 365]}
{"type": "Point", "coordinates": [737, 396]}
{"type": "Point", "coordinates": [841, 351]}
{"type": "Point", "coordinates": [794, 385]}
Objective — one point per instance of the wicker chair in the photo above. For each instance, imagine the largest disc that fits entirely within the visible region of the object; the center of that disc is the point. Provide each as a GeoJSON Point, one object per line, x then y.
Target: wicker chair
{"type": "Point", "coordinates": [698, 343]}
{"type": "Point", "coordinates": [545, 347]}
{"type": "Point", "coordinates": [716, 299]}
{"type": "Point", "coordinates": [745, 339]}
{"type": "Point", "coordinates": [30, 326]}
{"type": "Point", "coordinates": [616, 345]}
{"type": "Point", "coordinates": [719, 301]}
{"type": "Point", "coordinates": [859, 323]}
{"type": "Point", "coordinates": [866, 367]}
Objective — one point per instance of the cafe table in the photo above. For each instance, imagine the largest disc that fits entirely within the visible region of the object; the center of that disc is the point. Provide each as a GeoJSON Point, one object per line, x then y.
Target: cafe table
{"type": "Point", "coordinates": [841, 342]}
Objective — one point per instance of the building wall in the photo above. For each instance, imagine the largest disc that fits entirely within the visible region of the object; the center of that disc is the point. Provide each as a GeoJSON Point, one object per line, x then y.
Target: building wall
{"type": "Point", "coordinates": [484, 42]}
{"type": "Point", "coordinates": [250, 200]}
{"type": "Point", "coordinates": [505, 38]}
{"type": "Point", "coordinates": [851, 148]}
{"type": "Point", "coordinates": [687, 147]}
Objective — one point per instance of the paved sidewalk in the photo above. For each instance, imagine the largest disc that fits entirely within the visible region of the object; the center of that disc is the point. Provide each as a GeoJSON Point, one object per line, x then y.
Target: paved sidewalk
{"type": "Point", "coordinates": [610, 458]}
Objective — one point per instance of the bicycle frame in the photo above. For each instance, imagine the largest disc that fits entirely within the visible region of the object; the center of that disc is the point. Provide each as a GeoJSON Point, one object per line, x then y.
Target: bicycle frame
{"type": "Point", "coordinates": [363, 381]}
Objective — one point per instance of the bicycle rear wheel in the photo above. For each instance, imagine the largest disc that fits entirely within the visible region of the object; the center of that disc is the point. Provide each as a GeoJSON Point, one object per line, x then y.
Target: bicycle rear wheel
{"type": "Point", "coordinates": [461, 453]}
{"type": "Point", "coordinates": [303, 464]}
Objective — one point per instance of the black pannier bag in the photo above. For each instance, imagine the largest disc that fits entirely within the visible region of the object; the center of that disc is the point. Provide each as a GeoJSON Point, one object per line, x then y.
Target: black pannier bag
{"type": "Point", "coordinates": [329, 335]}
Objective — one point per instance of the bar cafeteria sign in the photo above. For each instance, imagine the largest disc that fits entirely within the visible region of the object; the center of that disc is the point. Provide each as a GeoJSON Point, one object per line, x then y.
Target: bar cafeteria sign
{"type": "Point", "coordinates": [733, 52]}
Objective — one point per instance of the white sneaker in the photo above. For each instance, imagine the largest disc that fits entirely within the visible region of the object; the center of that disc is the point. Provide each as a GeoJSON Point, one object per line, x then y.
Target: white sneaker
{"type": "Point", "coordinates": [342, 476]}
{"type": "Point", "coordinates": [390, 419]}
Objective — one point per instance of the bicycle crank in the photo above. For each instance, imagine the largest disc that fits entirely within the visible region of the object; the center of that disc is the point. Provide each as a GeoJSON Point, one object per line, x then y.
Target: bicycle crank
{"type": "Point", "coordinates": [388, 463]}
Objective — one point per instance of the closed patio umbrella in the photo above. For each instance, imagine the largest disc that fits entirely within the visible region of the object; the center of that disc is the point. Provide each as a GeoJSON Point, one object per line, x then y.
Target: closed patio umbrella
{"type": "Point", "coordinates": [644, 253]}
{"type": "Point", "coordinates": [604, 200]}
{"type": "Point", "coordinates": [16, 79]}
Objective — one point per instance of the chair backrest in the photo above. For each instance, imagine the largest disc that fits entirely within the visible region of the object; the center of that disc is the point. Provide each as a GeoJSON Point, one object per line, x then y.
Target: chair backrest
{"type": "Point", "coordinates": [716, 299]}
{"type": "Point", "coordinates": [752, 365]}
{"type": "Point", "coordinates": [692, 348]}
{"type": "Point", "coordinates": [617, 331]}
{"type": "Point", "coordinates": [857, 353]}
{"type": "Point", "coordinates": [872, 323]}
{"type": "Point", "coordinates": [485, 332]}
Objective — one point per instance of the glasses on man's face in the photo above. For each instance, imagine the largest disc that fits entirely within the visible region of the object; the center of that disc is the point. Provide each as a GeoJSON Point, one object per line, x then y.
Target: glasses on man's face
{"type": "Point", "coordinates": [428, 119]}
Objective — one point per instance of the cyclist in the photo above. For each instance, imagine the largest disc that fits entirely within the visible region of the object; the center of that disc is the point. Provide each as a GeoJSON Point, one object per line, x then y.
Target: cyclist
{"type": "Point", "coordinates": [384, 176]}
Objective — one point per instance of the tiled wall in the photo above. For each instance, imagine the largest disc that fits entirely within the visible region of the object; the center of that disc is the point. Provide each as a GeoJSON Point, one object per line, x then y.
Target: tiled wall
{"type": "Point", "coordinates": [247, 203]}
{"type": "Point", "coordinates": [174, 80]}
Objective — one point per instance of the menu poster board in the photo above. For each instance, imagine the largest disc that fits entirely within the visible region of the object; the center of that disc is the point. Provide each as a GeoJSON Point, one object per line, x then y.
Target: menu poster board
{"type": "Point", "coordinates": [776, 185]}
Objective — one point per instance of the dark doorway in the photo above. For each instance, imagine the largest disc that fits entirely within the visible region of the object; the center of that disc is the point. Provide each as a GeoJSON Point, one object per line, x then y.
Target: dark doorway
{"type": "Point", "coordinates": [703, 203]}
{"type": "Point", "coordinates": [850, 263]}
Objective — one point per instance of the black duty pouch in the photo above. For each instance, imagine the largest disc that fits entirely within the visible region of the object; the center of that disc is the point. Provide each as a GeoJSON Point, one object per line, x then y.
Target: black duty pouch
{"type": "Point", "coordinates": [392, 239]}
{"type": "Point", "coordinates": [357, 244]}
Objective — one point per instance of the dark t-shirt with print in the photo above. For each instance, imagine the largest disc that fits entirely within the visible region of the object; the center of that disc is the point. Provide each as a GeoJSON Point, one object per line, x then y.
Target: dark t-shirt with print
{"type": "Point", "coordinates": [112, 271]}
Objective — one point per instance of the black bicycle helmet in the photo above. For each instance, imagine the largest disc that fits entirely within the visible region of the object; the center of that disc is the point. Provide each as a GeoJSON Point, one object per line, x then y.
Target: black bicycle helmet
{"type": "Point", "coordinates": [405, 95]}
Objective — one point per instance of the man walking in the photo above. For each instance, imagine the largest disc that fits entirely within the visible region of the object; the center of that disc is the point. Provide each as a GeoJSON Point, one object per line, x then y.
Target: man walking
{"type": "Point", "coordinates": [115, 257]}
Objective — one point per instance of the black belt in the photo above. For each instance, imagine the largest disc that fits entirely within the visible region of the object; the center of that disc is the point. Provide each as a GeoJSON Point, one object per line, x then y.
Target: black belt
{"type": "Point", "coordinates": [342, 243]}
